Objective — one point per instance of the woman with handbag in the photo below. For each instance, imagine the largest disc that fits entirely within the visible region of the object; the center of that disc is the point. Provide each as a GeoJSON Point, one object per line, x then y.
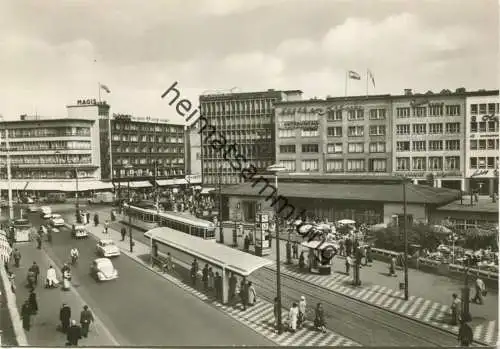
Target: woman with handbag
{"type": "Point", "coordinates": [252, 295]}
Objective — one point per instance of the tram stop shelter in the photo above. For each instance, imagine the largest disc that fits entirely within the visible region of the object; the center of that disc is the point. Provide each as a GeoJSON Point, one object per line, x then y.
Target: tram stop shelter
{"type": "Point", "coordinates": [184, 248]}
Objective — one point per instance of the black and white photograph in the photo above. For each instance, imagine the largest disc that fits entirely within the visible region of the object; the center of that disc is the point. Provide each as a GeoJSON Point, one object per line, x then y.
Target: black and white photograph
{"type": "Point", "coordinates": [249, 173]}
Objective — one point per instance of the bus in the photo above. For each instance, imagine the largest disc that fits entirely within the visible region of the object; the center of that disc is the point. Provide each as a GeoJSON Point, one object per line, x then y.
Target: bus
{"type": "Point", "coordinates": [22, 230]}
{"type": "Point", "coordinates": [146, 219]}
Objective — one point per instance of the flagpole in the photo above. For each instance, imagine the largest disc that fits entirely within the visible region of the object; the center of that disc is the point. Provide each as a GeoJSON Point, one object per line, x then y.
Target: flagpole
{"type": "Point", "coordinates": [346, 79]}
{"type": "Point", "coordinates": [367, 82]}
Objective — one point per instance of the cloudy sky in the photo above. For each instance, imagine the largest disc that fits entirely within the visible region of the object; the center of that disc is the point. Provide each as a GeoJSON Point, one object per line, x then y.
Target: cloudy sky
{"type": "Point", "coordinates": [54, 52]}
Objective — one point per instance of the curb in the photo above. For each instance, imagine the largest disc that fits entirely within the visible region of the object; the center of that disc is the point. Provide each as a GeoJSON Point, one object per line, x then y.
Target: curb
{"type": "Point", "coordinates": [14, 312]}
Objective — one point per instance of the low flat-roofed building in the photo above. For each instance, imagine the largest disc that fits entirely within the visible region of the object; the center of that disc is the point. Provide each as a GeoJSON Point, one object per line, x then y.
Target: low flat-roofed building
{"type": "Point", "coordinates": [364, 199]}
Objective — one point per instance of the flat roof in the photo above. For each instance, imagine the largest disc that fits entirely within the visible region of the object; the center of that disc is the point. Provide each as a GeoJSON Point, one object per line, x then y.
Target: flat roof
{"type": "Point", "coordinates": [245, 95]}
{"type": "Point", "coordinates": [484, 205]}
{"type": "Point", "coordinates": [391, 192]}
{"type": "Point", "coordinates": [241, 263]}
{"type": "Point", "coordinates": [44, 120]}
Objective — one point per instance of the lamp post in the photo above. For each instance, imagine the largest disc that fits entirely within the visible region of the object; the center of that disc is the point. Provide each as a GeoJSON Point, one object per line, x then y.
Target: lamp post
{"type": "Point", "coordinates": [405, 233]}
{"type": "Point", "coordinates": [275, 169]}
{"type": "Point", "coordinates": [127, 167]}
{"type": "Point", "coordinates": [220, 206]}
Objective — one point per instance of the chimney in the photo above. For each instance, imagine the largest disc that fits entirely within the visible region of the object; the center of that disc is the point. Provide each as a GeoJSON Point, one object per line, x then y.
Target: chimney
{"type": "Point", "coordinates": [408, 92]}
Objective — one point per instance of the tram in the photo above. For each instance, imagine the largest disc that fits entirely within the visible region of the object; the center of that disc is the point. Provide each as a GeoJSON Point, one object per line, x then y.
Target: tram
{"type": "Point", "coordinates": [146, 219]}
{"type": "Point", "coordinates": [22, 230]}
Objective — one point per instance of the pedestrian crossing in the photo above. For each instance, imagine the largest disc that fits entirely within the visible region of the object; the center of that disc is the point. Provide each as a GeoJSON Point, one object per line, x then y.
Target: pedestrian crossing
{"type": "Point", "coordinates": [417, 308]}
{"type": "Point", "coordinates": [260, 318]}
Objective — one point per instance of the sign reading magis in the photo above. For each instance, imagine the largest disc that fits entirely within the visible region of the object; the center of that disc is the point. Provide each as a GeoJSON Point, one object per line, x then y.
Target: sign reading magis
{"type": "Point", "coordinates": [87, 101]}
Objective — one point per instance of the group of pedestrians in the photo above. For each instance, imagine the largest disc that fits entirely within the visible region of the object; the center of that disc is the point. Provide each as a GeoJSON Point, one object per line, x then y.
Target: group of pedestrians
{"type": "Point", "coordinates": [74, 332]}
{"type": "Point", "coordinates": [297, 315]}
{"type": "Point", "coordinates": [244, 290]}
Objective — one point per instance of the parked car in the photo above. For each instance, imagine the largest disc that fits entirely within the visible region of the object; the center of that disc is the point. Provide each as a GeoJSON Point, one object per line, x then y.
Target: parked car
{"type": "Point", "coordinates": [107, 248]}
{"type": "Point", "coordinates": [32, 208]}
{"type": "Point", "coordinates": [45, 212]}
{"type": "Point", "coordinates": [79, 232]}
{"type": "Point", "coordinates": [56, 220]}
{"type": "Point", "coordinates": [102, 269]}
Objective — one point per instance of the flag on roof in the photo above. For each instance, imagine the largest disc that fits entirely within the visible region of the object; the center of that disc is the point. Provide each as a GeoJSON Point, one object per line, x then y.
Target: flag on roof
{"type": "Point", "coordinates": [105, 88]}
{"type": "Point", "coordinates": [354, 75]}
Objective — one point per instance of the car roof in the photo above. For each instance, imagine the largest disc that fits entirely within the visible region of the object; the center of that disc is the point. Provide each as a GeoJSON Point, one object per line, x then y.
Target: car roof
{"type": "Point", "coordinates": [56, 215]}
{"type": "Point", "coordinates": [107, 241]}
{"type": "Point", "coordinates": [103, 261]}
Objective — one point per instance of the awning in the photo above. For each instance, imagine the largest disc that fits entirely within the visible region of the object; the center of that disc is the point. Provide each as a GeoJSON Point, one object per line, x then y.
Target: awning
{"type": "Point", "coordinates": [206, 190]}
{"type": "Point", "coordinates": [193, 179]}
{"type": "Point", "coordinates": [52, 186]}
{"type": "Point", "coordinates": [137, 184]}
{"type": "Point", "coordinates": [15, 185]}
{"type": "Point", "coordinates": [180, 181]}
{"type": "Point", "coordinates": [94, 185]}
{"type": "Point", "coordinates": [165, 182]}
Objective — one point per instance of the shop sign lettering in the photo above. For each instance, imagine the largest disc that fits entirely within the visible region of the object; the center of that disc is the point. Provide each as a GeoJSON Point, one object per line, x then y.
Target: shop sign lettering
{"type": "Point", "coordinates": [436, 174]}
{"type": "Point", "coordinates": [414, 103]}
{"type": "Point", "coordinates": [484, 173]}
{"type": "Point", "coordinates": [310, 124]}
{"type": "Point", "coordinates": [86, 102]}
{"type": "Point", "coordinates": [122, 117]}
{"type": "Point", "coordinates": [318, 110]}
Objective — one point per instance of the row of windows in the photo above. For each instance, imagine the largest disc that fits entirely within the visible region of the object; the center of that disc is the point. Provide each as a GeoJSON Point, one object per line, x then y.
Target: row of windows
{"type": "Point", "coordinates": [146, 161]}
{"type": "Point", "coordinates": [450, 163]}
{"type": "Point", "coordinates": [58, 159]}
{"type": "Point", "coordinates": [264, 150]}
{"type": "Point", "coordinates": [243, 122]}
{"type": "Point", "coordinates": [337, 165]}
{"type": "Point", "coordinates": [49, 132]}
{"type": "Point", "coordinates": [483, 126]}
{"type": "Point", "coordinates": [464, 224]}
{"type": "Point", "coordinates": [47, 145]}
{"type": "Point", "coordinates": [431, 110]}
{"type": "Point", "coordinates": [333, 148]}
{"type": "Point", "coordinates": [483, 162]}
{"type": "Point", "coordinates": [453, 144]}
{"type": "Point", "coordinates": [136, 149]}
{"type": "Point", "coordinates": [131, 126]}
{"type": "Point", "coordinates": [217, 167]}
{"type": "Point", "coordinates": [144, 138]}
{"type": "Point", "coordinates": [483, 108]}
{"type": "Point", "coordinates": [123, 173]}
{"type": "Point", "coordinates": [450, 127]}
{"type": "Point", "coordinates": [483, 144]}
{"type": "Point", "coordinates": [49, 174]}
{"type": "Point", "coordinates": [250, 106]}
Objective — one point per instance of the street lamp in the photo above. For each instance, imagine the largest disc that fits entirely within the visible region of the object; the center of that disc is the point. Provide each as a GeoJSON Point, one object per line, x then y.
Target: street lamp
{"type": "Point", "coordinates": [127, 167]}
{"type": "Point", "coordinates": [275, 169]}
{"type": "Point", "coordinates": [221, 233]}
{"type": "Point", "coordinates": [405, 233]}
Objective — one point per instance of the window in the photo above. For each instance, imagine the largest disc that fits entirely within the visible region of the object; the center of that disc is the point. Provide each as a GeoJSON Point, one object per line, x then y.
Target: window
{"type": "Point", "coordinates": [334, 131]}
{"type": "Point", "coordinates": [473, 163]}
{"type": "Point", "coordinates": [420, 112]}
{"type": "Point", "coordinates": [333, 148]}
{"type": "Point", "coordinates": [335, 165]}
{"type": "Point", "coordinates": [473, 144]}
{"type": "Point", "coordinates": [435, 110]}
{"type": "Point", "coordinates": [452, 163]}
{"type": "Point", "coordinates": [452, 127]}
{"type": "Point", "coordinates": [435, 163]}
{"type": "Point", "coordinates": [482, 126]}
{"type": "Point", "coordinates": [403, 146]}
{"type": "Point", "coordinates": [418, 146]}
{"type": "Point", "coordinates": [309, 132]}
{"type": "Point", "coordinates": [377, 165]}
{"type": "Point", "coordinates": [355, 147]}
{"type": "Point", "coordinates": [356, 114]}
{"type": "Point", "coordinates": [288, 164]}
{"type": "Point", "coordinates": [419, 129]}
{"type": "Point", "coordinates": [377, 114]}
{"type": "Point", "coordinates": [435, 145]}
{"type": "Point", "coordinates": [356, 165]}
{"type": "Point", "coordinates": [334, 115]}
{"type": "Point", "coordinates": [435, 128]}
{"type": "Point", "coordinates": [473, 108]}
{"type": "Point", "coordinates": [418, 164]}
{"type": "Point", "coordinates": [377, 147]}
{"type": "Point", "coordinates": [491, 144]}
{"type": "Point", "coordinates": [377, 130]}
{"type": "Point", "coordinates": [491, 108]}
{"type": "Point", "coordinates": [482, 108]}
{"type": "Point", "coordinates": [289, 148]}
{"type": "Point", "coordinates": [288, 133]}
{"type": "Point", "coordinates": [355, 131]}
{"type": "Point", "coordinates": [403, 112]}
{"type": "Point", "coordinates": [453, 110]}
{"type": "Point", "coordinates": [453, 144]}
{"type": "Point", "coordinates": [482, 144]}
{"type": "Point", "coordinates": [403, 129]}
{"type": "Point", "coordinates": [310, 165]}
{"type": "Point", "coordinates": [402, 164]}
{"type": "Point", "coordinates": [473, 127]}
{"type": "Point", "coordinates": [310, 148]}
{"type": "Point", "coordinates": [493, 126]}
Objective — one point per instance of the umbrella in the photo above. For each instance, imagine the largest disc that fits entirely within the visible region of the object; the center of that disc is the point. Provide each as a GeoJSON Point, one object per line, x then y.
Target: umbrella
{"type": "Point", "coordinates": [346, 221]}
{"type": "Point", "coordinates": [440, 229]}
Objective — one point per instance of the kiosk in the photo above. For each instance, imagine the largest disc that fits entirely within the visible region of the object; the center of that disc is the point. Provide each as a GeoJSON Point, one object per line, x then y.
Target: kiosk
{"type": "Point", "coordinates": [262, 235]}
{"type": "Point", "coordinates": [320, 256]}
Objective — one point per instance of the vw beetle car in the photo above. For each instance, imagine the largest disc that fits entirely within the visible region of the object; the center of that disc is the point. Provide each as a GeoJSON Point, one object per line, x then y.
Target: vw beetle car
{"type": "Point", "coordinates": [102, 269]}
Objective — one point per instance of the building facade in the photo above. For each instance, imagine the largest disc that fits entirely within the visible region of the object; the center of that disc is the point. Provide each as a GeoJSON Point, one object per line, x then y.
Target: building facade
{"type": "Point", "coordinates": [193, 150]}
{"type": "Point", "coordinates": [336, 135]}
{"type": "Point", "coordinates": [245, 119]}
{"type": "Point", "coordinates": [429, 135]}
{"type": "Point", "coordinates": [141, 148]}
{"type": "Point", "coordinates": [481, 142]}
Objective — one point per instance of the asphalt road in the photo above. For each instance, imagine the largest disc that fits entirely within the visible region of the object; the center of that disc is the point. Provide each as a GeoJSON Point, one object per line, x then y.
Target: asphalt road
{"type": "Point", "coordinates": [141, 308]}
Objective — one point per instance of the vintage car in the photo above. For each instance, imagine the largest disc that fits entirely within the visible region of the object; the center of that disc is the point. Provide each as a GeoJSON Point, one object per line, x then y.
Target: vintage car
{"type": "Point", "coordinates": [32, 208]}
{"type": "Point", "coordinates": [102, 269]}
{"type": "Point", "coordinates": [45, 212]}
{"type": "Point", "coordinates": [79, 232]}
{"type": "Point", "coordinates": [107, 248]}
{"type": "Point", "coordinates": [56, 220]}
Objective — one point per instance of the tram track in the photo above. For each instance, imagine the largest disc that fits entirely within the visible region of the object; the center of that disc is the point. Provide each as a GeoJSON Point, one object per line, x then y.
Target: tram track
{"type": "Point", "coordinates": [358, 321]}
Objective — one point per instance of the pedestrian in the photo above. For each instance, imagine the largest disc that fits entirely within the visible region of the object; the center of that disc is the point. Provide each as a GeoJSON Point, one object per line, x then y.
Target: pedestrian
{"type": "Point", "coordinates": [252, 294]}
{"type": "Point", "coordinates": [246, 243]}
{"type": "Point", "coordinates": [96, 219]}
{"type": "Point", "coordinates": [106, 227]}
{"type": "Point", "coordinates": [319, 319]}
{"type": "Point", "coordinates": [244, 294]}
{"type": "Point", "coordinates": [369, 259]}
{"type": "Point", "coordinates": [302, 311]}
{"type": "Point", "coordinates": [194, 272]}
{"type": "Point", "coordinates": [392, 266]}
{"type": "Point", "coordinates": [17, 257]}
{"type": "Point", "coordinates": [86, 318]}
{"type": "Point", "coordinates": [26, 315]}
{"type": "Point", "coordinates": [276, 310]}
{"type": "Point", "coordinates": [123, 232]}
{"type": "Point", "coordinates": [218, 286]}
{"type": "Point", "coordinates": [88, 217]}
{"type": "Point", "coordinates": [348, 263]}
{"type": "Point", "coordinates": [64, 317]}
{"type": "Point", "coordinates": [293, 316]}
{"type": "Point", "coordinates": [31, 280]}
{"type": "Point", "coordinates": [480, 291]}
{"type": "Point", "coordinates": [36, 271]}
{"type": "Point", "coordinates": [233, 282]}
{"type": "Point", "coordinates": [33, 303]}
{"type": "Point", "coordinates": [74, 334]}
{"type": "Point", "coordinates": [348, 246]}
{"type": "Point", "coordinates": [51, 278]}
{"type": "Point", "coordinates": [39, 240]}
{"type": "Point", "coordinates": [211, 277]}
{"type": "Point", "coordinates": [204, 277]}
{"type": "Point", "coordinates": [456, 310]}
{"type": "Point", "coordinates": [302, 260]}
{"type": "Point", "coordinates": [465, 335]}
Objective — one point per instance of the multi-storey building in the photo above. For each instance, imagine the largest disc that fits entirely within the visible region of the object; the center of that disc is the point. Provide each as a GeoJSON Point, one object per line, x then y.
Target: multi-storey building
{"type": "Point", "coordinates": [429, 133]}
{"type": "Point", "coordinates": [140, 147]}
{"type": "Point", "coordinates": [193, 150]}
{"type": "Point", "coordinates": [481, 141]}
{"type": "Point", "coordinates": [336, 135]}
{"type": "Point", "coordinates": [245, 119]}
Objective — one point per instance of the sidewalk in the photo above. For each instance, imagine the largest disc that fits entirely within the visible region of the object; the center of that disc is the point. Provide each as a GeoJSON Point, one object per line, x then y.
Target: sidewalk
{"type": "Point", "coordinates": [43, 332]}
{"type": "Point", "coordinates": [259, 318]}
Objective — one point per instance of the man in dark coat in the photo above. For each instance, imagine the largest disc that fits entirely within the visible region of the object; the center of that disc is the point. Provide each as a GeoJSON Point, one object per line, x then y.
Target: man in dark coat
{"type": "Point", "coordinates": [36, 270]}
{"type": "Point", "coordinates": [17, 257]}
{"type": "Point", "coordinates": [33, 303]}
{"type": "Point", "coordinates": [233, 281]}
{"type": "Point", "coordinates": [26, 315]}
{"type": "Point", "coordinates": [74, 334]}
{"type": "Point", "coordinates": [204, 277]}
{"type": "Point", "coordinates": [86, 318]}
{"type": "Point", "coordinates": [65, 316]}
{"type": "Point", "coordinates": [123, 232]}
{"type": "Point", "coordinates": [194, 272]}
{"type": "Point", "coordinates": [218, 286]}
